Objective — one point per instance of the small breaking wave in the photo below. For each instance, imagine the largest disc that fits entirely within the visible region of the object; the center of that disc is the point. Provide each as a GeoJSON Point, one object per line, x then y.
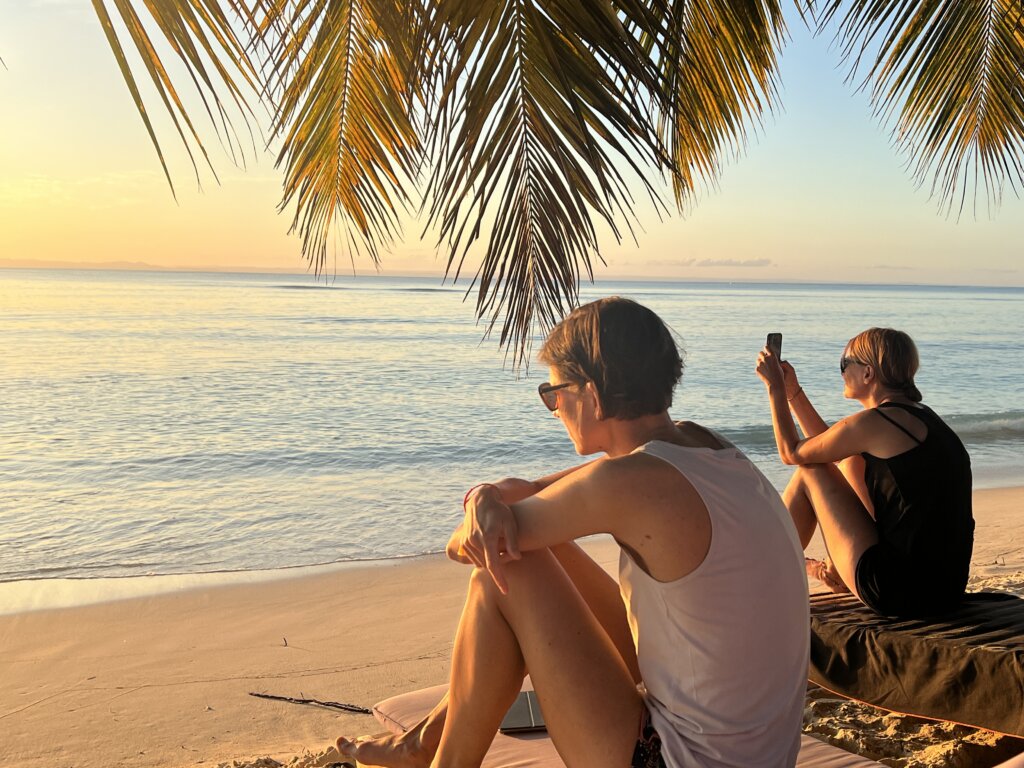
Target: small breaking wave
{"type": "Point", "coordinates": [988, 427]}
{"type": "Point", "coordinates": [973, 428]}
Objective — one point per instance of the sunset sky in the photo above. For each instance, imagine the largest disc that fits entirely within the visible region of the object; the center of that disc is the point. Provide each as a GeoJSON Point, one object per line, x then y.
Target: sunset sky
{"type": "Point", "coordinates": [820, 194]}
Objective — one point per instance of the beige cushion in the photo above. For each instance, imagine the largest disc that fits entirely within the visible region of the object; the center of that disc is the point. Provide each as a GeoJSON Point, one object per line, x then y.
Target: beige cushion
{"type": "Point", "coordinates": [535, 750]}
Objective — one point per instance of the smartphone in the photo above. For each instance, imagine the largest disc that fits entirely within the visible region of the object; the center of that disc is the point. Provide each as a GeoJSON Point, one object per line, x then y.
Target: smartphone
{"type": "Point", "coordinates": [524, 715]}
{"type": "Point", "coordinates": [774, 343]}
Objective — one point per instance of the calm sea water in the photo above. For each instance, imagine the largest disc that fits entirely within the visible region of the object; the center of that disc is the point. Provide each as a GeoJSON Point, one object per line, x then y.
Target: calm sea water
{"type": "Point", "coordinates": [155, 423]}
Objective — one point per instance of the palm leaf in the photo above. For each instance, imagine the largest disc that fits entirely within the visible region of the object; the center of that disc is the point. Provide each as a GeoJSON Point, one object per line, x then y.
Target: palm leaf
{"type": "Point", "coordinates": [530, 114]}
{"type": "Point", "coordinates": [719, 66]}
{"type": "Point", "coordinates": [951, 74]}
{"type": "Point", "coordinates": [197, 32]}
{"type": "Point", "coordinates": [338, 72]}
{"type": "Point", "coordinates": [531, 128]}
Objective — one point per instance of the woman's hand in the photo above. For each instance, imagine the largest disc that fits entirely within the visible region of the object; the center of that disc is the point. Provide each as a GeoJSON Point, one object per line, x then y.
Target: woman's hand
{"type": "Point", "coordinates": [792, 385]}
{"type": "Point", "coordinates": [769, 370]}
{"type": "Point", "coordinates": [454, 550]}
{"type": "Point", "coordinates": [772, 372]}
{"type": "Point", "coordinates": [488, 535]}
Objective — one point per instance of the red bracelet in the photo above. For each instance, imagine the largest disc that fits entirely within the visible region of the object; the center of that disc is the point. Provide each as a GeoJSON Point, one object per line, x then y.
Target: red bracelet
{"type": "Point", "coordinates": [465, 498]}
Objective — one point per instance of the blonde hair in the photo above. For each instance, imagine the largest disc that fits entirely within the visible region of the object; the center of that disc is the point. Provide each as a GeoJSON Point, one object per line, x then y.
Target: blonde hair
{"type": "Point", "coordinates": [893, 355]}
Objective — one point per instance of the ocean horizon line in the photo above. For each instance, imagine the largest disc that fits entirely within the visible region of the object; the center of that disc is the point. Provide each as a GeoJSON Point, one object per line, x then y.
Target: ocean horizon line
{"type": "Point", "coordinates": [118, 267]}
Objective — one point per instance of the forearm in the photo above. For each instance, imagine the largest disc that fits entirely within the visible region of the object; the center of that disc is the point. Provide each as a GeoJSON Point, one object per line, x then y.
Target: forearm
{"type": "Point", "coordinates": [806, 415]}
{"type": "Point", "coordinates": [786, 435]}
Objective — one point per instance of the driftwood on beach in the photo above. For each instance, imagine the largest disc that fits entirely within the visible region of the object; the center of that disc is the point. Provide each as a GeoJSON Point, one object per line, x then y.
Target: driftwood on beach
{"type": "Point", "coordinates": [354, 708]}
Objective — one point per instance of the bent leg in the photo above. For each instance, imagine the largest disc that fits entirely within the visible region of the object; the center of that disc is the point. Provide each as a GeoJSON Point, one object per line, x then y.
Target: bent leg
{"type": "Point", "coordinates": [590, 702]}
{"type": "Point", "coordinates": [416, 747]}
{"type": "Point", "coordinates": [799, 505]}
{"type": "Point", "coordinates": [846, 526]}
{"type": "Point", "coordinates": [601, 594]}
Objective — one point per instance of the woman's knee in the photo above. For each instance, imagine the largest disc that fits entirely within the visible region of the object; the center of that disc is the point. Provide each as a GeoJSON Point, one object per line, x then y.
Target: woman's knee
{"type": "Point", "coordinates": [529, 571]}
{"type": "Point", "coordinates": [819, 479]}
{"type": "Point", "coordinates": [803, 479]}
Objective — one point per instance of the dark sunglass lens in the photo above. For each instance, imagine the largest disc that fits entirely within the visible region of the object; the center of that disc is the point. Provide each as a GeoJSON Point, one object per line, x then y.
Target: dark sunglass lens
{"type": "Point", "coordinates": [547, 396]}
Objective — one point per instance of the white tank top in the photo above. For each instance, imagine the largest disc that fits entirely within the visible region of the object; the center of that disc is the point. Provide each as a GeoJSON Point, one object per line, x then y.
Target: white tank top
{"type": "Point", "coordinates": [723, 651]}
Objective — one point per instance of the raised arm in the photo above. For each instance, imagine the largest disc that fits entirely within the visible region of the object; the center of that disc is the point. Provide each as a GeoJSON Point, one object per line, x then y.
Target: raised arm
{"type": "Point", "coordinates": [846, 438]}
{"type": "Point", "coordinates": [820, 443]}
{"type": "Point", "coordinates": [807, 417]}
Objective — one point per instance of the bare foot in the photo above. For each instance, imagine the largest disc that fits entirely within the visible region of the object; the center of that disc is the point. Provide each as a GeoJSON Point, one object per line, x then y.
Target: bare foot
{"type": "Point", "coordinates": [389, 750]}
{"type": "Point", "coordinates": [825, 572]}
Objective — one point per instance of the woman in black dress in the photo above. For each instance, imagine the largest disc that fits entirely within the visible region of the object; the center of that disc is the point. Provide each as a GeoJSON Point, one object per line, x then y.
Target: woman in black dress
{"type": "Point", "coordinates": [890, 486]}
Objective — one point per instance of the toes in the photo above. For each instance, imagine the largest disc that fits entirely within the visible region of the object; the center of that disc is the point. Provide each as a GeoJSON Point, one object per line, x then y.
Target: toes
{"type": "Point", "coordinates": [346, 761]}
{"type": "Point", "coordinates": [350, 747]}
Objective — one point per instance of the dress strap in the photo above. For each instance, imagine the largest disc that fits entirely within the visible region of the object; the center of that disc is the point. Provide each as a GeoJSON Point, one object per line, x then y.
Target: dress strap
{"type": "Point", "coordinates": [896, 424]}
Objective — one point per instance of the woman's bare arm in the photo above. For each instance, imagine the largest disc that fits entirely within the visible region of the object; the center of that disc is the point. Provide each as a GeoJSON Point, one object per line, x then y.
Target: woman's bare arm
{"type": "Point", "coordinates": [844, 439]}
{"type": "Point", "coordinates": [491, 532]}
{"type": "Point", "coordinates": [667, 522]}
{"type": "Point", "coordinates": [812, 425]}
{"type": "Point", "coordinates": [515, 489]}
{"type": "Point", "coordinates": [807, 416]}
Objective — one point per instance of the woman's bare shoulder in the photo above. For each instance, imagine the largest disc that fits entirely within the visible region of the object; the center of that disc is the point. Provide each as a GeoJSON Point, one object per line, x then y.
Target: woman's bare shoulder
{"type": "Point", "coordinates": [639, 477]}
{"type": "Point", "coordinates": [667, 529]}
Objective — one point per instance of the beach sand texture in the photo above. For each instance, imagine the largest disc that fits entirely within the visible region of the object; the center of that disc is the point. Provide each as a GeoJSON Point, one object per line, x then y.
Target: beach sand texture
{"type": "Point", "coordinates": [164, 681]}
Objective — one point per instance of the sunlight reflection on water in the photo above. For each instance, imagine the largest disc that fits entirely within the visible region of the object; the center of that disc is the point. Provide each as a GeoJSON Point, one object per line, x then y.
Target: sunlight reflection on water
{"type": "Point", "coordinates": [158, 423]}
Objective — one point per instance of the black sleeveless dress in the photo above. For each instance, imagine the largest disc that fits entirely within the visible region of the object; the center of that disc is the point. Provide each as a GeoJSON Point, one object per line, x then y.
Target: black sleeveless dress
{"type": "Point", "coordinates": [922, 500]}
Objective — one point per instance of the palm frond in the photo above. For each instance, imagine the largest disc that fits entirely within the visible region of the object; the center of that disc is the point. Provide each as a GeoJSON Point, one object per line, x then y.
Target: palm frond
{"type": "Point", "coordinates": [718, 61]}
{"type": "Point", "coordinates": [338, 72]}
{"type": "Point", "coordinates": [952, 75]}
{"type": "Point", "coordinates": [530, 114]}
{"type": "Point", "coordinates": [531, 125]}
{"type": "Point", "coordinates": [199, 33]}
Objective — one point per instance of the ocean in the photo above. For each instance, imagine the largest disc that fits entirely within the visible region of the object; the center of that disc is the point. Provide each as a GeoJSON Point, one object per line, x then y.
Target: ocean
{"type": "Point", "coordinates": [178, 423]}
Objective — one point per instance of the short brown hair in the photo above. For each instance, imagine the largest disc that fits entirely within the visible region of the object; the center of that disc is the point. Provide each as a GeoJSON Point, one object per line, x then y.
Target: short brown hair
{"type": "Point", "coordinates": [624, 349]}
{"type": "Point", "coordinates": [893, 355]}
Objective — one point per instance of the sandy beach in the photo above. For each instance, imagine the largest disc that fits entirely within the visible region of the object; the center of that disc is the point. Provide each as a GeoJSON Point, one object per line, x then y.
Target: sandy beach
{"type": "Point", "coordinates": [164, 680]}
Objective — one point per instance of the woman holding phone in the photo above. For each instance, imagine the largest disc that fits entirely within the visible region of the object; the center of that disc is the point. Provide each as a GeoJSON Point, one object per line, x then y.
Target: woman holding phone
{"type": "Point", "coordinates": [890, 486]}
{"type": "Point", "coordinates": [698, 656]}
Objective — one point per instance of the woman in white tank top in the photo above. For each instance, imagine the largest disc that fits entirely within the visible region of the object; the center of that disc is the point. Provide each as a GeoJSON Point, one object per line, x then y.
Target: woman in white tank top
{"type": "Point", "coordinates": [698, 657]}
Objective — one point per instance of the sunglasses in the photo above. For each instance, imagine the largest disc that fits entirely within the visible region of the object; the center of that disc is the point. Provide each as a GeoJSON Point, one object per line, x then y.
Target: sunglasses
{"type": "Point", "coordinates": [547, 394]}
{"type": "Point", "coordinates": [844, 363]}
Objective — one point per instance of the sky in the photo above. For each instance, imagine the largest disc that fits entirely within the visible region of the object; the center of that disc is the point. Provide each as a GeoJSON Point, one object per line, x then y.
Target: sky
{"type": "Point", "coordinates": [820, 194]}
